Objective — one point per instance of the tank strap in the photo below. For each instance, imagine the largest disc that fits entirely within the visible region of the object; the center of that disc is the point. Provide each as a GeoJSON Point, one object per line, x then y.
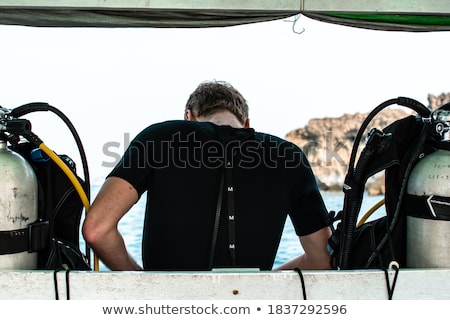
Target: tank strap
{"type": "Point", "coordinates": [427, 207]}
{"type": "Point", "coordinates": [32, 238]}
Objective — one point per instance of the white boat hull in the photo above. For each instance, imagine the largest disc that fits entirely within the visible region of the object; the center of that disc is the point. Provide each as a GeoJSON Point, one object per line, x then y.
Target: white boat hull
{"type": "Point", "coordinates": [319, 285]}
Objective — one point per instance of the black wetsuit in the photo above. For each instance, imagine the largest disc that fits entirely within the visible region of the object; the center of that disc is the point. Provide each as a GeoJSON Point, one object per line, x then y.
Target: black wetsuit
{"type": "Point", "coordinates": [180, 165]}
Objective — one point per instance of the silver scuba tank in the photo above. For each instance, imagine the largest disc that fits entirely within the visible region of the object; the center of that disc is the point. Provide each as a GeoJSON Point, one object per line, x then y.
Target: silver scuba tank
{"type": "Point", "coordinates": [18, 204]}
{"type": "Point", "coordinates": [428, 235]}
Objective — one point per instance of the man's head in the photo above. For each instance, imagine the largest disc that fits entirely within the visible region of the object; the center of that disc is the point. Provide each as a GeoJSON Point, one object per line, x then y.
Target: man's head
{"type": "Point", "coordinates": [213, 97]}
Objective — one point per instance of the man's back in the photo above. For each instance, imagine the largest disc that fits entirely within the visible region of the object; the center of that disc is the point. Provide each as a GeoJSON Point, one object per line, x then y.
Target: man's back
{"type": "Point", "coordinates": [181, 165]}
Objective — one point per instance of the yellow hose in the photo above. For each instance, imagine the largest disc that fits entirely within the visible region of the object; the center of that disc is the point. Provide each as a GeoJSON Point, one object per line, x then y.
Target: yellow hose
{"type": "Point", "coordinates": [76, 183]}
{"type": "Point", "coordinates": [370, 212]}
{"type": "Point", "coordinates": [69, 174]}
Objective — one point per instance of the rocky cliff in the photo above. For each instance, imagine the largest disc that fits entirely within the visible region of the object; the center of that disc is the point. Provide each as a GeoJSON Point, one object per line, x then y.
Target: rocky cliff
{"type": "Point", "coordinates": [328, 143]}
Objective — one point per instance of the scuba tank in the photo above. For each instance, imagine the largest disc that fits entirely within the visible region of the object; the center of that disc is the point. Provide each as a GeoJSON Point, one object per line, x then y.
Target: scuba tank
{"type": "Point", "coordinates": [18, 208]}
{"type": "Point", "coordinates": [428, 198]}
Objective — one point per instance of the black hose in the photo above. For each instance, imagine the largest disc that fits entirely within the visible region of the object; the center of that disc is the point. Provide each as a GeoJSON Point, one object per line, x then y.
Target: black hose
{"type": "Point", "coordinates": [415, 105]}
{"type": "Point", "coordinates": [354, 188]}
{"type": "Point", "coordinates": [28, 108]}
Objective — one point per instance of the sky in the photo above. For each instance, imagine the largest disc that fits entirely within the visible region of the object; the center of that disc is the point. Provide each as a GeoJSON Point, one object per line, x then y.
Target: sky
{"type": "Point", "coordinates": [112, 83]}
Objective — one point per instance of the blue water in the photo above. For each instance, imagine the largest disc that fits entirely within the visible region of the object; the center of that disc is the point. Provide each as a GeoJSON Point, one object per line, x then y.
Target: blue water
{"type": "Point", "coordinates": [131, 227]}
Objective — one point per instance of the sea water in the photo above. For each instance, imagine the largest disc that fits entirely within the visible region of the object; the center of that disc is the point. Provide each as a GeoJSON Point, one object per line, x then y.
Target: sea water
{"type": "Point", "coordinates": [131, 226]}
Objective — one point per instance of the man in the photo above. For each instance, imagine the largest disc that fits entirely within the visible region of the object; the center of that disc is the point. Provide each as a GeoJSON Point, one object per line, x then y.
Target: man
{"type": "Point", "coordinates": [218, 193]}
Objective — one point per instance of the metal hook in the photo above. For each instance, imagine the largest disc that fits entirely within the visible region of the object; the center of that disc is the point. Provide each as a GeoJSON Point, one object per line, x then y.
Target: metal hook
{"type": "Point", "coordinates": [294, 23]}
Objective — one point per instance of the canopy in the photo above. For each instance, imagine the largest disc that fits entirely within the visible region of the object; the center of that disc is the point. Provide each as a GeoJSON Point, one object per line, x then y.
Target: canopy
{"type": "Point", "coordinates": [405, 15]}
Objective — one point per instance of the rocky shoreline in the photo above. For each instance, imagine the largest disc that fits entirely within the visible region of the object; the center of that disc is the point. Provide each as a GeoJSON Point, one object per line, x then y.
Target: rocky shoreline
{"type": "Point", "coordinates": [328, 143]}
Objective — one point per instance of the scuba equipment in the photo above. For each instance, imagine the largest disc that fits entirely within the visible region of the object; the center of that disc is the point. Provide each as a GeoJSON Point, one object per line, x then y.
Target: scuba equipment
{"type": "Point", "coordinates": [428, 202]}
{"type": "Point", "coordinates": [59, 206]}
{"type": "Point", "coordinates": [396, 149]}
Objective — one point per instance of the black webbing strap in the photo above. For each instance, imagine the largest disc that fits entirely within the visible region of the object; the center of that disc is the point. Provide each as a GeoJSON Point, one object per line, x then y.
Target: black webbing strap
{"type": "Point", "coordinates": [391, 286]}
{"type": "Point", "coordinates": [231, 214]}
{"type": "Point", "coordinates": [32, 238]}
{"type": "Point", "coordinates": [302, 281]}
{"type": "Point", "coordinates": [55, 281]}
{"type": "Point", "coordinates": [14, 241]}
{"type": "Point", "coordinates": [216, 222]}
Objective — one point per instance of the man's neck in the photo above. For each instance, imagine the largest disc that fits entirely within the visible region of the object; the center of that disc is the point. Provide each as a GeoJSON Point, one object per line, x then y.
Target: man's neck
{"type": "Point", "coordinates": [222, 118]}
